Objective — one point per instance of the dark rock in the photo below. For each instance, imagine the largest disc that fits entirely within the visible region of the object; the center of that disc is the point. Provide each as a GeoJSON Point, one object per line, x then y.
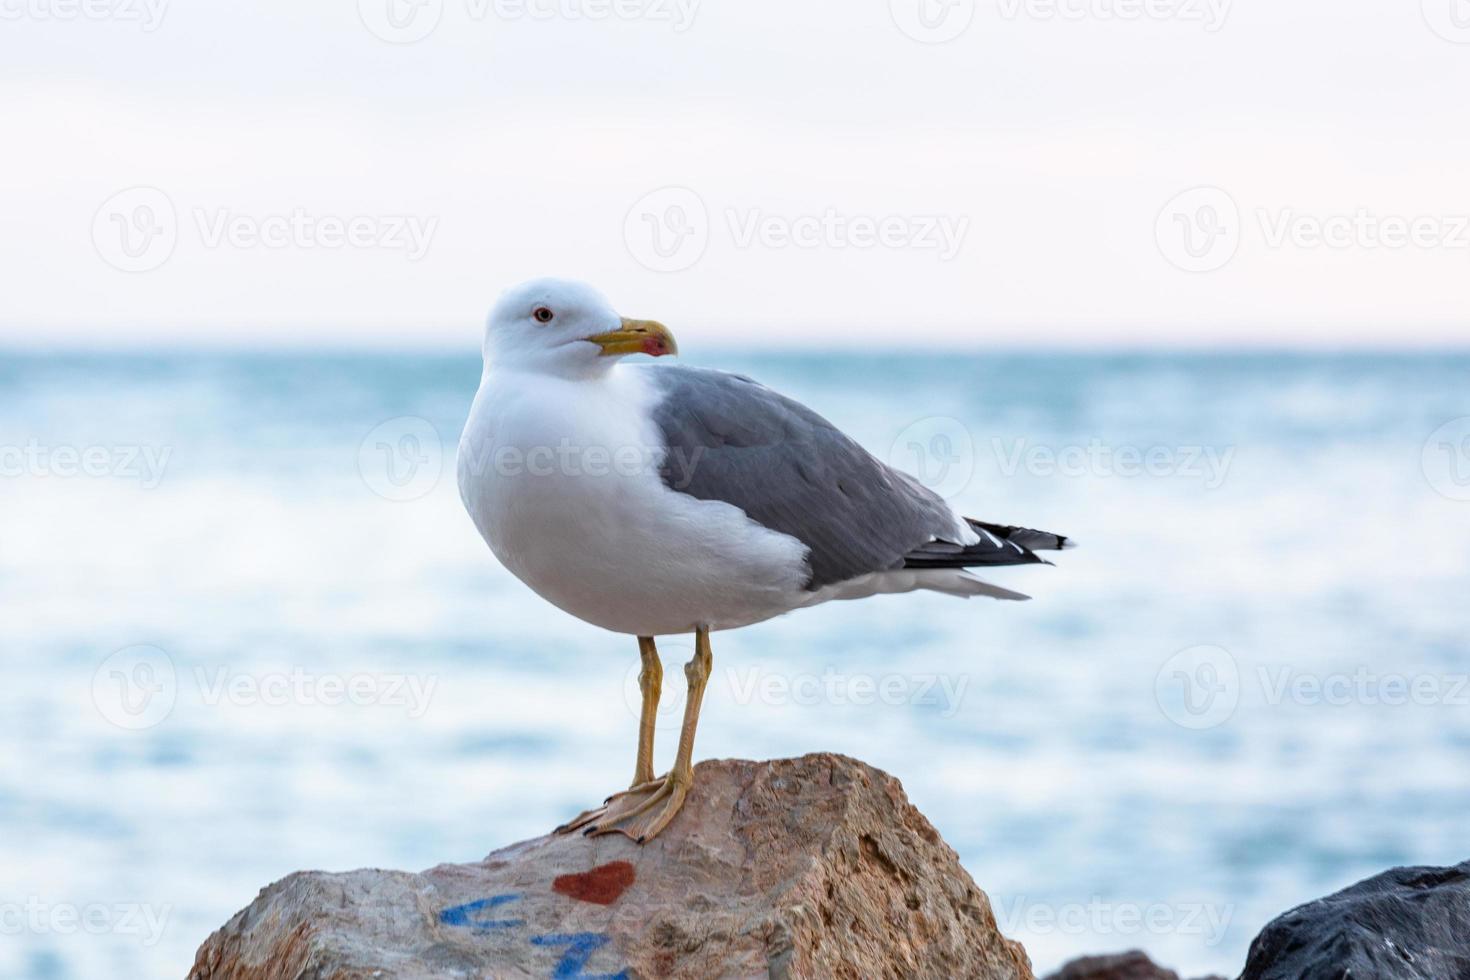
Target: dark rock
{"type": "Point", "coordinates": [1124, 966]}
{"type": "Point", "coordinates": [1405, 924]}
{"type": "Point", "coordinates": [1133, 965]}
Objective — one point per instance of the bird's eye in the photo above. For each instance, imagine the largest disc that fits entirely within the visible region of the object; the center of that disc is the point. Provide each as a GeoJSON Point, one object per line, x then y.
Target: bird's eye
{"type": "Point", "coordinates": [543, 315]}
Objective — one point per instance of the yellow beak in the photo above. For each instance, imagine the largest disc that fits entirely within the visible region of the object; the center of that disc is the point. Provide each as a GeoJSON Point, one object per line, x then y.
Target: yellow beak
{"type": "Point", "coordinates": [636, 337]}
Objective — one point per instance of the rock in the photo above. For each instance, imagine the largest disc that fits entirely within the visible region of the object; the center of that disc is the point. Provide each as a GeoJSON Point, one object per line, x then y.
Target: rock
{"type": "Point", "coordinates": [1124, 966]}
{"type": "Point", "coordinates": [812, 867]}
{"type": "Point", "coordinates": [1405, 924]}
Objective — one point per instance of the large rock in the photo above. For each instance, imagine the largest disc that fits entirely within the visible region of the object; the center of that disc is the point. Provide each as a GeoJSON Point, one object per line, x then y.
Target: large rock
{"type": "Point", "coordinates": [812, 867]}
{"type": "Point", "coordinates": [1405, 924]}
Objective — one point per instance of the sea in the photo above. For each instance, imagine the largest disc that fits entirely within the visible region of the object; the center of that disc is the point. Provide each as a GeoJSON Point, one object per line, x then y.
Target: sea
{"type": "Point", "coordinates": [248, 629]}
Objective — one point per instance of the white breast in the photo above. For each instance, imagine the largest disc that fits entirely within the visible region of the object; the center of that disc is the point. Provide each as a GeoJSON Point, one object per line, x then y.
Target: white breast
{"type": "Point", "coordinates": [561, 478]}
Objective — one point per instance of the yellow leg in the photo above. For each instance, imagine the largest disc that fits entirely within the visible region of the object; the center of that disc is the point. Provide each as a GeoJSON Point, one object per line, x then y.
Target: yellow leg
{"type": "Point", "coordinates": [696, 672]}
{"type": "Point", "coordinates": [645, 810]}
{"type": "Point", "coordinates": [650, 683]}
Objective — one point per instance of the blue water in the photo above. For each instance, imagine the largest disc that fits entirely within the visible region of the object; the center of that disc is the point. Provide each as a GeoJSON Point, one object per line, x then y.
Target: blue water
{"type": "Point", "coordinates": [1198, 723]}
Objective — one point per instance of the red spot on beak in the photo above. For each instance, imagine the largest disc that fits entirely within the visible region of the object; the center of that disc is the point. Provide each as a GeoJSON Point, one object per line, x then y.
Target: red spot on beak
{"type": "Point", "coordinates": [656, 346]}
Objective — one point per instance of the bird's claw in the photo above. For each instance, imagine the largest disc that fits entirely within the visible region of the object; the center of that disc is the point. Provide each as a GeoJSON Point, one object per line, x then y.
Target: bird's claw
{"type": "Point", "coordinates": [635, 813]}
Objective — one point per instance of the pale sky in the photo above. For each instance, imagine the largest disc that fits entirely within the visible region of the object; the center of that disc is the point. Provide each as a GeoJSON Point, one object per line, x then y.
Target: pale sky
{"type": "Point", "coordinates": [880, 173]}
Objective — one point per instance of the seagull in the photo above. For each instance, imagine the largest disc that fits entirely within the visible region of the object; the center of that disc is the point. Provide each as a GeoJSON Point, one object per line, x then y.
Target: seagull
{"type": "Point", "coordinates": [657, 500]}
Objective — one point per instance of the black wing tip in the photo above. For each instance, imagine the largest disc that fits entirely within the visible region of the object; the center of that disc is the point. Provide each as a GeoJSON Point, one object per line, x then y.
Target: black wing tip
{"type": "Point", "coordinates": [1026, 537]}
{"type": "Point", "coordinates": [999, 544]}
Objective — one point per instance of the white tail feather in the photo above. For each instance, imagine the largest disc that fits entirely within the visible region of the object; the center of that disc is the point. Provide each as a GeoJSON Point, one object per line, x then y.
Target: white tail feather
{"type": "Point", "coordinates": [964, 584]}
{"type": "Point", "coordinates": [950, 581]}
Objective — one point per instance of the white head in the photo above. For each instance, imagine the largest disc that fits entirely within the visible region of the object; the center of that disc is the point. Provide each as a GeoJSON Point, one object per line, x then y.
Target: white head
{"type": "Point", "coordinates": [567, 328]}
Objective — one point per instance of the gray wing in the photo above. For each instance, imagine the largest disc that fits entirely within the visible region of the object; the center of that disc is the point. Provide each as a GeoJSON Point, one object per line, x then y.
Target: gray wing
{"type": "Point", "coordinates": [789, 469]}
